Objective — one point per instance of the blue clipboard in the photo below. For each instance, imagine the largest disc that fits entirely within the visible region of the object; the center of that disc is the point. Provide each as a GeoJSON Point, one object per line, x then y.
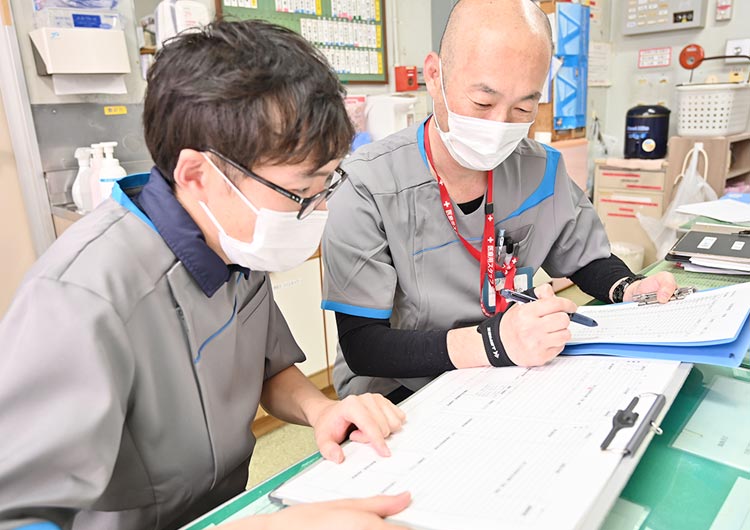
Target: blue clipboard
{"type": "Point", "coordinates": [728, 354]}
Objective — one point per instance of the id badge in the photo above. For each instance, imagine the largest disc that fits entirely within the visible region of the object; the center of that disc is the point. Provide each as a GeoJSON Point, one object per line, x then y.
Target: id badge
{"type": "Point", "coordinates": [523, 281]}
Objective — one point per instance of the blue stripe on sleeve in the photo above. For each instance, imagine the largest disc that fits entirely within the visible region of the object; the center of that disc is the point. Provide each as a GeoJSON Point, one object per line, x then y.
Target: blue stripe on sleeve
{"type": "Point", "coordinates": [356, 311]}
{"type": "Point", "coordinates": [39, 526]}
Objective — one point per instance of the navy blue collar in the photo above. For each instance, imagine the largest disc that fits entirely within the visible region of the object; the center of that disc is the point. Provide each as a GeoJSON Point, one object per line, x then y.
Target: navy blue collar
{"type": "Point", "coordinates": [157, 205]}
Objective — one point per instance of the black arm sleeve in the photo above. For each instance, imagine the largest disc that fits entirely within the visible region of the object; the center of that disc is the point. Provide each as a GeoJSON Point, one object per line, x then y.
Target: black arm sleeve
{"type": "Point", "coordinates": [372, 348]}
{"type": "Point", "coordinates": [597, 278]}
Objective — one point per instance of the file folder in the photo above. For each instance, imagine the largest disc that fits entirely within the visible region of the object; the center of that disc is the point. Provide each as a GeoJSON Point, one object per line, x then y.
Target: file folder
{"type": "Point", "coordinates": [728, 354]}
{"type": "Point", "coordinates": [707, 327]}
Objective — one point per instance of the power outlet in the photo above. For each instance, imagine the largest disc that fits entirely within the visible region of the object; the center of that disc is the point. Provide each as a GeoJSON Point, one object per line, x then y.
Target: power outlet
{"type": "Point", "coordinates": [737, 47]}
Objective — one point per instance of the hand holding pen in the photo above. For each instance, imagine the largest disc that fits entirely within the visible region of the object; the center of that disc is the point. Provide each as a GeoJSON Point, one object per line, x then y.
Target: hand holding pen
{"type": "Point", "coordinates": [535, 333]}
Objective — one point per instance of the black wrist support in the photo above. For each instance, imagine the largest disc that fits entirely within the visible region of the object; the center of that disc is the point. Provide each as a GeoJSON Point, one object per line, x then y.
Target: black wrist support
{"type": "Point", "coordinates": [493, 346]}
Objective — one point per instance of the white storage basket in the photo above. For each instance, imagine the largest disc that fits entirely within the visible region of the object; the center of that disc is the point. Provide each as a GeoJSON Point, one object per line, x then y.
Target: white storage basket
{"type": "Point", "coordinates": [717, 109]}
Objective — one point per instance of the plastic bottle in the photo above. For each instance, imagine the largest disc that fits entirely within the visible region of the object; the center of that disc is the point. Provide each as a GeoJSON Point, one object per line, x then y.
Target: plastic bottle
{"type": "Point", "coordinates": [82, 185]}
{"type": "Point", "coordinates": [111, 170]}
{"type": "Point", "coordinates": [97, 153]}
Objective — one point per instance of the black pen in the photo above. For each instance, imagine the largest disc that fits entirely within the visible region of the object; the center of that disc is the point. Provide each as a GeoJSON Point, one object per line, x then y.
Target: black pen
{"type": "Point", "coordinates": [521, 298]}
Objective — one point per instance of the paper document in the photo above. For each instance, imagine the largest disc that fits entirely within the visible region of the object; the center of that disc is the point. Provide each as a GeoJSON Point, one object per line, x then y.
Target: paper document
{"type": "Point", "coordinates": [718, 429]}
{"type": "Point", "coordinates": [706, 281]}
{"type": "Point", "coordinates": [727, 210]}
{"type": "Point", "coordinates": [731, 267]}
{"type": "Point", "coordinates": [703, 318]}
{"type": "Point", "coordinates": [712, 269]}
{"type": "Point", "coordinates": [735, 512]}
{"type": "Point", "coordinates": [600, 63]}
{"type": "Point", "coordinates": [510, 448]}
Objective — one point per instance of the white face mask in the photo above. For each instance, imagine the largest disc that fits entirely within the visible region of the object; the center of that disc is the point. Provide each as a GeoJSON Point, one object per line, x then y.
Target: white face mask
{"type": "Point", "coordinates": [476, 143]}
{"type": "Point", "coordinates": [280, 240]}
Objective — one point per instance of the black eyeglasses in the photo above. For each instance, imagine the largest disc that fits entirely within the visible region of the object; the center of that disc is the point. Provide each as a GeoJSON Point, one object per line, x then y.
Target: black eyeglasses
{"type": "Point", "coordinates": [306, 204]}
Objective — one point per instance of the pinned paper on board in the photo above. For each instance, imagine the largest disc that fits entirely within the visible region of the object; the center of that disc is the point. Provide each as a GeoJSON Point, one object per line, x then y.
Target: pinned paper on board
{"type": "Point", "coordinates": [600, 61]}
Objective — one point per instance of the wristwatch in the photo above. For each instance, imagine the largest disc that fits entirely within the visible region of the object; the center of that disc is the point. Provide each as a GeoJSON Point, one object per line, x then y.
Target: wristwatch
{"type": "Point", "coordinates": [619, 291]}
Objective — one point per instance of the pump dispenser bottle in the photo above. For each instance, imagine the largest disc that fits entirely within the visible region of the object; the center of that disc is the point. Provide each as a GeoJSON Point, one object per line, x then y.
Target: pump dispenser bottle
{"type": "Point", "coordinates": [111, 171]}
{"type": "Point", "coordinates": [96, 165]}
{"type": "Point", "coordinates": [82, 184]}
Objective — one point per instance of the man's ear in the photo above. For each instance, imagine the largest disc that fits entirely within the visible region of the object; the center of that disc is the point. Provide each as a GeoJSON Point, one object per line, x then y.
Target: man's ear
{"type": "Point", "coordinates": [191, 173]}
{"type": "Point", "coordinates": [431, 72]}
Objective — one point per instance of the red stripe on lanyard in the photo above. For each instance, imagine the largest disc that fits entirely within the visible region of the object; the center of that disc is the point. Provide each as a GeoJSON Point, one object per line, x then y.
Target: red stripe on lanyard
{"type": "Point", "coordinates": [487, 255]}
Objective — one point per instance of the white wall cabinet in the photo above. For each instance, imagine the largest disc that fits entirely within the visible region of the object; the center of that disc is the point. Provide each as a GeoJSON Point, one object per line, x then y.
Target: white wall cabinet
{"type": "Point", "coordinates": [298, 294]}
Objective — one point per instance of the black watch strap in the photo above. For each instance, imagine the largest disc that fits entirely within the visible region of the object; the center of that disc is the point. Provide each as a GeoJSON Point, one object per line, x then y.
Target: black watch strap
{"type": "Point", "coordinates": [619, 291]}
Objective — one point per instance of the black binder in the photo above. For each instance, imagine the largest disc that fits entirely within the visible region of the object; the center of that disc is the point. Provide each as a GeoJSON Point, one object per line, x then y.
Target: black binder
{"type": "Point", "coordinates": [712, 245]}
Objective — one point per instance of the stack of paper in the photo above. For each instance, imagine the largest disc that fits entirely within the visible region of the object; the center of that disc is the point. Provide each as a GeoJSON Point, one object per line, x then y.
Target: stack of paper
{"type": "Point", "coordinates": [512, 448]}
{"type": "Point", "coordinates": [709, 327]}
{"type": "Point", "coordinates": [727, 210]}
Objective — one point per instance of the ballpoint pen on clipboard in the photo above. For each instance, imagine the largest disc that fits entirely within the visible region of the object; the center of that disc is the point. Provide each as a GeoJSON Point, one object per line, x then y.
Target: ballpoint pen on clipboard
{"type": "Point", "coordinates": [521, 298]}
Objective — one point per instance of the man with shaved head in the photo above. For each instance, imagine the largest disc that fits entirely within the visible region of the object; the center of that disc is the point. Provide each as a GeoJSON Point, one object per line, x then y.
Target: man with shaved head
{"type": "Point", "coordinates": [439, 217]}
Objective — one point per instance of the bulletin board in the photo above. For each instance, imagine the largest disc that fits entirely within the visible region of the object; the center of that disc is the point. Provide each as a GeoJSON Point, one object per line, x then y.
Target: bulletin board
{"type": "Point", "coordinates": [350, 33]}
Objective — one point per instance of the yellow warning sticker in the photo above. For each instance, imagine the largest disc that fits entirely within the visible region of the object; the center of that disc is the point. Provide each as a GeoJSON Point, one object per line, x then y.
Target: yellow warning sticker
{"type": "Point", "coordinates": [115, 110]}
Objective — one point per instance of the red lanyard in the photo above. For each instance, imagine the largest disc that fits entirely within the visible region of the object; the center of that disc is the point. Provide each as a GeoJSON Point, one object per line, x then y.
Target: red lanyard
{"type": "Point", "coordinates": [486, 258]}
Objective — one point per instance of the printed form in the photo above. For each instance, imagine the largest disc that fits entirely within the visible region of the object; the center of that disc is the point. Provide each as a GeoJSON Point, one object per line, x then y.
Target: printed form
{"type": "Point", "coordinates": [706, 317]}
{"type": "Point", "coordinates": [498, 448]}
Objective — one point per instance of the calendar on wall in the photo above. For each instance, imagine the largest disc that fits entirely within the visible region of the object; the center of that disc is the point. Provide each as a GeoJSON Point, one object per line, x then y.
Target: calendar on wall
{"type": "Point", "coordinates": [350, 33]}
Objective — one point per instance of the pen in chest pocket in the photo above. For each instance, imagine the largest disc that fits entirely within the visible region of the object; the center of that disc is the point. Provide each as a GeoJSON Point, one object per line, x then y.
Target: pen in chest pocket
{"type": "Point", "coordinates": [500, 248]}
{"type": "Point", "coordinates": [505, 250]}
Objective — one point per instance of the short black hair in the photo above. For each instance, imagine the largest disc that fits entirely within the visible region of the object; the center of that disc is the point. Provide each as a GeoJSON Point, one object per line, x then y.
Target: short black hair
{"type": "Point", "coordinates": [253, 91]}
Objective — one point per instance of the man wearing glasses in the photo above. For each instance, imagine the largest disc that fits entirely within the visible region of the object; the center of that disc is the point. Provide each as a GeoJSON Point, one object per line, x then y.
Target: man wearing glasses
{"type": "Point", "coordinates": [136, 351]}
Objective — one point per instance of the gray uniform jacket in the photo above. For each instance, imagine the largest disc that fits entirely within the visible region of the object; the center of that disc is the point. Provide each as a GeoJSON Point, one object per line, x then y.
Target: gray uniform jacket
{"type": "Point", "coordinates": [390, 252]}
{"type": "Point", "coordinates": [126, 393]}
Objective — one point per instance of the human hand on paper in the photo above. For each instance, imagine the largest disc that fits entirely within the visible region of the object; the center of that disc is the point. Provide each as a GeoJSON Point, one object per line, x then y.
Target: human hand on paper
{"type": "Point", "coordinates": [349, 514]}
{"type": "Point", "coordinates": [533, 334]}
{"type": "Point", "coordinates": [373, 416]}
{"type": "Point", "coordinates": [662, 283]}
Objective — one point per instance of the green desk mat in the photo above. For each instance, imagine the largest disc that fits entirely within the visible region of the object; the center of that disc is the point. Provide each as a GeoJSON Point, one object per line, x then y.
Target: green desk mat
{"type": "Point", "coordinates": [677, 489]}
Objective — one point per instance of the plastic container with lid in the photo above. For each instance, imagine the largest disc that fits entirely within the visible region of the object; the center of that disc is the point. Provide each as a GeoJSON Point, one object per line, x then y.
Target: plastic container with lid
{"type": "Point", "coordinates": [647, 132]}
